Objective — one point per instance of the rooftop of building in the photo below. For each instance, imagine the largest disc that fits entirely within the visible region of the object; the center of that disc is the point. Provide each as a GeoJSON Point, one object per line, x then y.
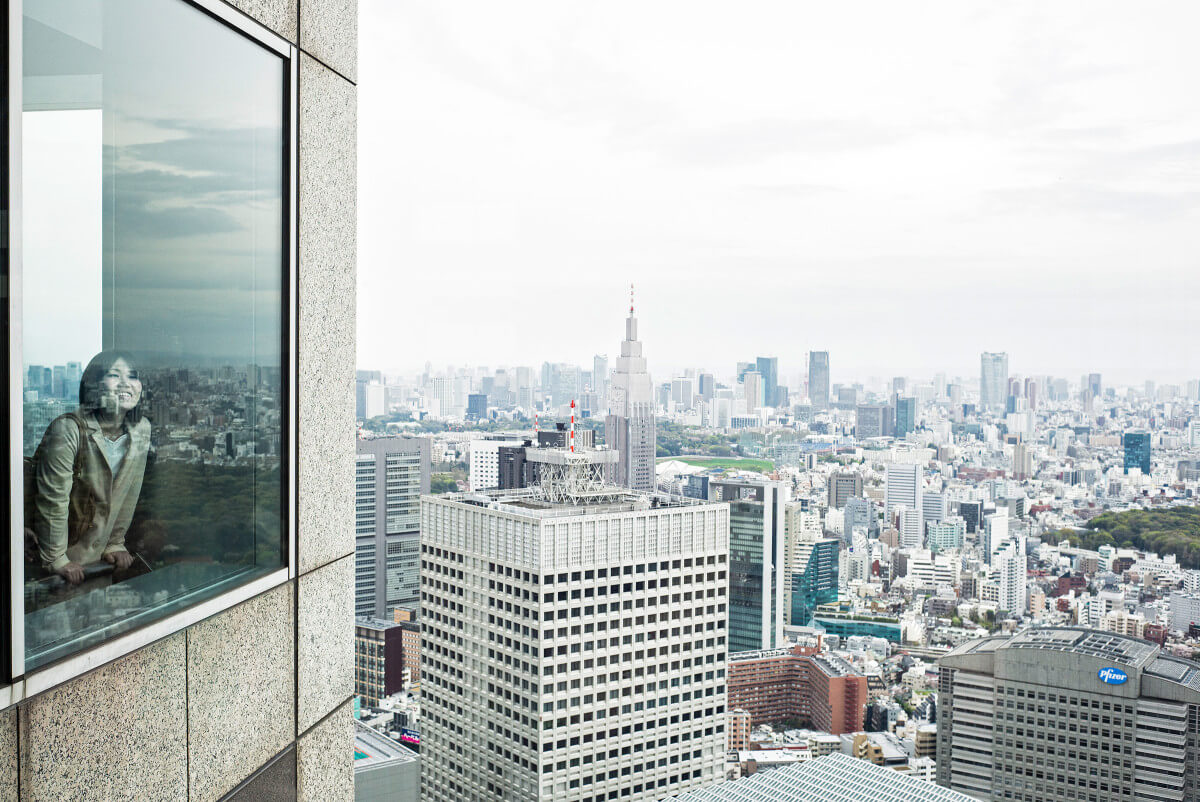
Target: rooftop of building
{"type": "Point", "coordinates": [1123, 649]}
{"type": "Point", "coordinates": [377, 624]}
{"type": "Point", "coordinates": [535, 502]}
{"type": "Point", "coordinates": [832, 778]}
{"type": "Point", "coordinates": [374, 750]}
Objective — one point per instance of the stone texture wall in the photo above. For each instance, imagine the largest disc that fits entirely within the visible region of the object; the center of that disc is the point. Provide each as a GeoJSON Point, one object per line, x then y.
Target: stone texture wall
{"type": "Point", "coordinates": [253, 703]}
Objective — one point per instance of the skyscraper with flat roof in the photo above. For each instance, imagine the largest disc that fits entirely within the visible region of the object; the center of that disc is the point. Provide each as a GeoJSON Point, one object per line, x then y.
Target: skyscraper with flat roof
{"type": "Point", "coordinates": [818, 379]}
{"type": "Point", "coordinates": [574, 636]}
{"type": "Point", "coordinates": [1070, 714]}
{"type": "Point", "coordinates": [1137, 451]}
{"type": "Point", "coordinates": [768, 368]}
{"type": "Point", "coordinates": [757, 561]}
{"type": "Point", "coordinates": [993, 380]}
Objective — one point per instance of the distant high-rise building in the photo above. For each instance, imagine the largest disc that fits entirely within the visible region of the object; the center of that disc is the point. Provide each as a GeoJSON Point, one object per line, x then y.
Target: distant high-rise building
{"type": "Point", "coordinates": [768, 368]}
{"type": "Point", "coordinates": [1137, 451]}
{"type": "Point", "coordinates": [391, 473]}
{"type": "Point", "coordinates": [993, 380]}
{"type": "Point", "coordinates": [903, 487]}
{"type": "Point", "coordinates": [842, 487]}
{"type": "Point", "coordinates": [755, 390]}
{"type": "Point", "coordinates": [874, 420]}
{"type": "Point", "coordinates": [477, 406]}
{"type": "Point", "coordinates": [682, 391]}
{"type": "Point", "coordinates": [818, 379]}
{"type": "Point", "coordinates": [1059, 685]}
{"type": "Point", "coordinates": [906, 416]}
{"type": "Point", "coordinates": [600, 378]}
{"type": "Point", "coordinates": [812, 578]}
{"type": "Point", "coordinates": [934, 506]}
{"type": "Point", "coordinates": [911, 525]}
{"type": "Point", "coordinates": [1010, 565]}
{"type": "Point", "coordinates": [561, 666]}
{"type": "Point", "coordinates": [945, 534]}
{"type": "Point", "coordinates": [706, 386]}
{"type": "Point", "coordinates": [756, 562]}
{"type": "Point", "coordinates": [629, 428]}
{"type": "Point", "coordinates": [1094, 386]}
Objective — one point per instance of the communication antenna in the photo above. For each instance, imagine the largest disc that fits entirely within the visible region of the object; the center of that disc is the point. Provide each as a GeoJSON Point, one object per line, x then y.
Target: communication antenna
{"type": "Point", "coordinates": [631, 299]}
{"type": "Point", "coordinates": [572, 425]}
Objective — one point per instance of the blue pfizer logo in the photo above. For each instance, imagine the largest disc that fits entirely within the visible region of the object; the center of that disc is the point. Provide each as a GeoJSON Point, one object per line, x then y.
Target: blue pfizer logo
{"type": "Point", "coordinates": [1112, 676]}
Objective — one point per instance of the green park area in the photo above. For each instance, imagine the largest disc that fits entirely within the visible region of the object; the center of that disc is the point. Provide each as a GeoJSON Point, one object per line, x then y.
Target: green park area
{"type": "Point", "coordinates": [726, 463]}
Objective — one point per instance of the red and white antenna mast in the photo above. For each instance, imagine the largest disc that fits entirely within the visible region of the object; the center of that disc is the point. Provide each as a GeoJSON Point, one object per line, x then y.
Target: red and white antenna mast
{"type": "Point", "coordinates": [631, 298]}
{"type": "Point", "coordinates": [572, 425]}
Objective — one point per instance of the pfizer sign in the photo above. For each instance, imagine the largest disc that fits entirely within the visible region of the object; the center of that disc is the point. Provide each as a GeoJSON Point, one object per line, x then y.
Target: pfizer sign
{"type": "Point", "coordinates": [1112, 676]}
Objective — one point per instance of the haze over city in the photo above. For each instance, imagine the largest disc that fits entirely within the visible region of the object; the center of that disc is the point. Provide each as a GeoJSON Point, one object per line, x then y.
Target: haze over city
{"type": "Point", "coordinates": [905, 190]}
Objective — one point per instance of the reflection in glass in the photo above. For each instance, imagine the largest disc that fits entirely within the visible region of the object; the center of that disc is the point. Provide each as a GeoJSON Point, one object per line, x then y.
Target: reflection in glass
{"type": "Point", "coordinates": [153, 234]}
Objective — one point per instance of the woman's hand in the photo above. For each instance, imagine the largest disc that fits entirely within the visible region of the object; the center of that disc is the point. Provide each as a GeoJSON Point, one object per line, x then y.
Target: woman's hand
{"type": "Point", "coordinates": [72, 572]}
{"type": "Point", "coordinates": [121, 559]}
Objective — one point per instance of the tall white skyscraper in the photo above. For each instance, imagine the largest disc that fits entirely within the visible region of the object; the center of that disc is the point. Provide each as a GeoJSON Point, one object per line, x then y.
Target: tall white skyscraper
{"type": "Point", "coordinates": [903, 487]}
{"type": "Point", "coordinates": [993, 380]}
{"type": "Point", "coordinates": [995, 534]}
{"type": "Point", "coordinates": [573, 641]}
{"type": "Point", "coordinates": [629, 428]}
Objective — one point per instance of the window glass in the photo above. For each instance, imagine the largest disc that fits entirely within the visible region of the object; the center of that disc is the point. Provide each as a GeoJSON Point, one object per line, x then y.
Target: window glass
{"type": "Point", "coordinates": [153, 236]}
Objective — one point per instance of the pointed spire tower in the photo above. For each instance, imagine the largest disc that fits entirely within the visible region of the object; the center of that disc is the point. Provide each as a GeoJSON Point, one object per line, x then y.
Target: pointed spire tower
{"type": "Point", "coordinates": [629, 428]}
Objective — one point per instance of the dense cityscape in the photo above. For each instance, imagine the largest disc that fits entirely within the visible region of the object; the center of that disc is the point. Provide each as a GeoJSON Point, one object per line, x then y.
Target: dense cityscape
{"type": "Point", "coordinates": [883, 572]}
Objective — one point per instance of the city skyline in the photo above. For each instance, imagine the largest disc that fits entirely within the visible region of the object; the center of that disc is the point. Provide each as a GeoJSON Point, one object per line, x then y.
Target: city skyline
{"type": "Point", "coordinates": [1017, 180]}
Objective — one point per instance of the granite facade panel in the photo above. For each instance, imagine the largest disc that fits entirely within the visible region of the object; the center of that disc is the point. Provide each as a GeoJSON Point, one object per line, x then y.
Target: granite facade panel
{"type": "Point", "coordinates": [329, 31]}
{"type": "Point", "coordinates": [278, 15]}
{"type": "Point", "coordinates": [8, 755]}
{"type": "Point", "coordinates": [322, 772]}
{"type": "Point", "coordinates": [241, 691]}
{"type": "Point", "coordinates": [326, 640]}
{"type": "Point", "coordinates": [328, 244]}
{"type": "Point", "coordinates": [119, 732]}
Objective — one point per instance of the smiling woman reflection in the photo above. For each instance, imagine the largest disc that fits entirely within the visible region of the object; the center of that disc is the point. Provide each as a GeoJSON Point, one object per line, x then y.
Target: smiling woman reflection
{"type": "Point", "coordinates": [87, 474]}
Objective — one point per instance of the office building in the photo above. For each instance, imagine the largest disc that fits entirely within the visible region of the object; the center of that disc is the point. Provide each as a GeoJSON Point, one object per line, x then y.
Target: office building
{"type": "Point", "coordinates": [390, 474]}
{"type": "Point", "coordinates": [859, 515]}
{"type": "Point", "coordinates": [477, 406]}
{"type": "Point", "coordinates": [844, 486]}
{"type": "Point", "coordinates": [818, 379]}
{"type": "Point", "coordinates": [768, 369]}
{"type": "Point", "coordinates": [223, 258]}
{"type": "Point", "coordinates": [706, 386]}
{"type": "Point", "coordinates": [1185, 610]}
{"type": "Point", "coordinates": [945, 534]}
{"type": "Point", "coordinates": [563, 659]}
{"type": "Point", "coordinates": [629, 428]}
{"type": "Point", "coordinates": [756, 561]}
{"type": "Point", "coordinates": [904, 487]}
{"type": "Point", "coordinates": [682, 393]}
{"type": "Point", "coordinates": [874, 420]}
{"type": "Point", "coordinates": [484, 461]}
{"type": "Point", "coordinates": [835, 777]}
{"type": "Point", "coordinates": [1068, 714]}
{"type": "Point", "coordinates": [812, 578]}
{"type": "Point", "coordinates": [934, 507]}
{"type": "Point", "coordinates": [600, 379]}
{"type": "Point", "coordinates": [378, 659]}
{"type": "Point", "coordinates": [820, 690]}
{"type": "Point", "coordinates": [993, 380]}
{"type": "Point", "coordinates": [1137, 451]}
{"type": "Point", "coordinates": [754, 390]}
{"type": "Point", "coordinates": [906, 416]}
{"type": "Point", "coordinates": [384, 770]}
{"type": "Point", "coordinates": [911, 525]}
{"type": "Point", "coordinates": [971, 512]}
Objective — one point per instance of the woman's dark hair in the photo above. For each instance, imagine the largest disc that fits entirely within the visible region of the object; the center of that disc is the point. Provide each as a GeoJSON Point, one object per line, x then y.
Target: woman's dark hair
{"type": "Point", "coordinates": [94, 372]}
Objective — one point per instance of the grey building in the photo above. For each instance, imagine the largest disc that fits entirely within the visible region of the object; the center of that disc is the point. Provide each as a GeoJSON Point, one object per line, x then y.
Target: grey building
{"type": "Point", "coordinates": [768, 368]}
{"type": "Point", "coordinates": [993, 380]}
{"type": "Point", "coordinates": [844, 486]}
{"type": "Point", "coordinates": [390, 474]}
{"type": "Point", "coordinates": [874, 420]}
{"type": "Point", "coordinates": [225, 671]}
{"type": "Point", "coordinates": [818, 379]}
{"type": "Point", "coordinates": [860, 514]}
{"type": "Point", "coordinates": [1071, 714]}
{"type": "Point", "coordinates": [629, 428]}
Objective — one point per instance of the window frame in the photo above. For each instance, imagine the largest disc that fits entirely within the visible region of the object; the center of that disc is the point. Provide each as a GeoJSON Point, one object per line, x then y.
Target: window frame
{"type": "Point", "coordinates": [15, 683]}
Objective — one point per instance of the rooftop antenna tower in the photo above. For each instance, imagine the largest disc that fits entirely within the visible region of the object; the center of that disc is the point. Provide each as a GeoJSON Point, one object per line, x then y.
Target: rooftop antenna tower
{"type": "Point", "coordinates": [572, 425]}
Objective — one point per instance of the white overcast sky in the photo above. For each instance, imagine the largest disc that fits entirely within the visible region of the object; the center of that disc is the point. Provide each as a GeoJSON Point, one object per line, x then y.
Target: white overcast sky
{"type": "Point", "coordinates": [902, 184]}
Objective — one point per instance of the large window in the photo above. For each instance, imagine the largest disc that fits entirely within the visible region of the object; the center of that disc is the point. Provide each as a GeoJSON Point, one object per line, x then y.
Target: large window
{"type": "Point", "coordinates": [152, 355]}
